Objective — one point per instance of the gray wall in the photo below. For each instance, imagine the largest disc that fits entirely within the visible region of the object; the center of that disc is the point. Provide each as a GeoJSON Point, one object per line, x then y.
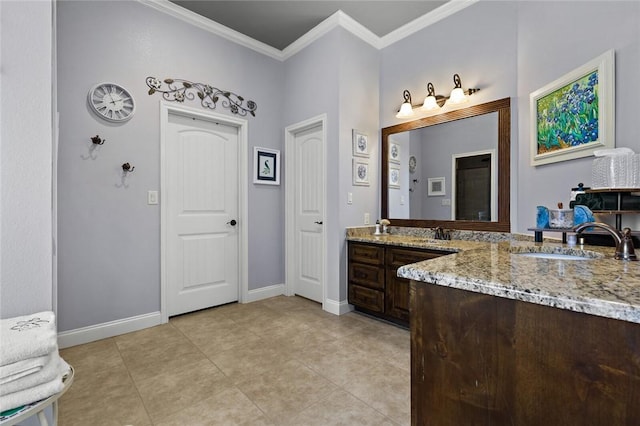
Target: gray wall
{"type": "Point", "coordinates": [479, 43]}
{"type": "Point", "coordinates": [510, 49]}
{"type": "Point", "coordinates": [338, 75]}
{"type": "Point", "coordinates": [439, 143]}
{"type": "Point", "coordinates": [312, 87]}
{"type": "Point", "coordinates": [553, 39]}
{"type": "Point", "coordinates": [109, 238]}
{"type": "Point", "coordinates": [109, 242]}
{"type": "Point", "coordinates": [25, 158]}
{"type": "Point", "coordinates": [359, 106]}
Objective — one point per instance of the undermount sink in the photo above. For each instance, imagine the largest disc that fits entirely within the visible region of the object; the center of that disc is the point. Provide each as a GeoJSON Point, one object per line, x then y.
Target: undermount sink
{"type": "Point", "coordinates": [556, 253]}
{"type": "Point", "coordinates": [431, 241]}
{"type": "Point", "coordinates": [557, 256]}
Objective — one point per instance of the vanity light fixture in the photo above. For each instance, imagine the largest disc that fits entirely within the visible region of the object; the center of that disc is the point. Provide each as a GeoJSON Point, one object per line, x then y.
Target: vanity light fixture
{"type": "Point", "coordinates": [434, 102]}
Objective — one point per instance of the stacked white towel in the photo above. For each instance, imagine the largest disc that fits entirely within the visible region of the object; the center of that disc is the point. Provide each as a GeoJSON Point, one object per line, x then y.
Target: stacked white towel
{"type": "Point", "coordinates": [30, 367]}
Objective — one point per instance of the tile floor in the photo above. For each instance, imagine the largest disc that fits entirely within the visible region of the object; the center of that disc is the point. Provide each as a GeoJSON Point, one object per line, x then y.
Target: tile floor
{"type": "Point", "coordinates": [279, 361]}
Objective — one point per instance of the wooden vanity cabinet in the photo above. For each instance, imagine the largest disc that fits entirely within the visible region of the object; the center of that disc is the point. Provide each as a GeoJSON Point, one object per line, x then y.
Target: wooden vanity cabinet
{"type": "Point", "coordinates": [366, 277]}
{"type": "Point", "coordinates": [397, 288]}
{"type": "Point", "coordinates": [478, 359]}
{"type": "Point", "coordinates": [373, 286]}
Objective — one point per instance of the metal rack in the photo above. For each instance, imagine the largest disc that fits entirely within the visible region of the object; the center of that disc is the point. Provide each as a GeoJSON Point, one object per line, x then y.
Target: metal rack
{"type": "Point", "coordinates": [618, 212]}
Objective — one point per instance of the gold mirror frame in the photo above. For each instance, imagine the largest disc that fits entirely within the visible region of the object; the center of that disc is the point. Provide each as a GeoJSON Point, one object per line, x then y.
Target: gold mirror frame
{"type": "Point", "coordinates": [503, 224]}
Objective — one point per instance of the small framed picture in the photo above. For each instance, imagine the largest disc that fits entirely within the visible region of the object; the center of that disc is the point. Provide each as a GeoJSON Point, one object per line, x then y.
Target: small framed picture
{"type": "Point", "coordinates": [360, 144]}
{"type": "Point", "coordinates": [360, 172]}
{"type": "Point", "coordinates": [435, 186]}
{"type": "Point", "coordinates": [394, 177]}
{"type": "Point", "coordinates": [266, 166]}
{"type": "Point", "coordinates": [394, 153]}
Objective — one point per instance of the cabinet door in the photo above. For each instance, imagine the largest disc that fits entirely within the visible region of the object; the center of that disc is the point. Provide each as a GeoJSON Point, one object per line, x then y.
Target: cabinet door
{"type": "Point", "coordinates": [396, 288]}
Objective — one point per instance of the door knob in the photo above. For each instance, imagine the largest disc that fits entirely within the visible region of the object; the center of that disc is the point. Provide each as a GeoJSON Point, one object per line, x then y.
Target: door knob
{"type": "Point", "coordinates": [232, 222]}
{"type": "Point", "coordinates": [318, 222]}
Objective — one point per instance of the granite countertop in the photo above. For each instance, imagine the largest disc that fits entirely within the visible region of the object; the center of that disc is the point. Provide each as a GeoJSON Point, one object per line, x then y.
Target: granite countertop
{"type": "Point", "coordinates": [599, 286]}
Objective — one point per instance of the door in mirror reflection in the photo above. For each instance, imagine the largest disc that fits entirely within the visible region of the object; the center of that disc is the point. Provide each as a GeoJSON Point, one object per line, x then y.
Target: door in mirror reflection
{"type": "Point", "coordinates": [473, 187]}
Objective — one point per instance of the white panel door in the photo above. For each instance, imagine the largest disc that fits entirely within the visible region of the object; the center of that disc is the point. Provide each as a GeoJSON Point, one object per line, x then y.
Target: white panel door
{"type": "Point", "coordinates": [202, 208]}
{"type": "Point", "coordinates": [309, 210]}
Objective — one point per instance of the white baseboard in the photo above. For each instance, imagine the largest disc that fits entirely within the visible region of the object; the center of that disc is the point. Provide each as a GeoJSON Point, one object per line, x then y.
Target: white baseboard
{"type": "Point", "coordinates": [265, 293]}
{"type": "Point", "coordinates": [92, 333]}
{"type": "Point", "coordinates": [337, 308]}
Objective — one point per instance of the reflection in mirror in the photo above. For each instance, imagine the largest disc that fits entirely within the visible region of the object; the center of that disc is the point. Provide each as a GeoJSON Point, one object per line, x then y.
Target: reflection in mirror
{"type": "Point", "coordinates": [458, 157]}
{"type": "Point", "coordinates": [450, 169]}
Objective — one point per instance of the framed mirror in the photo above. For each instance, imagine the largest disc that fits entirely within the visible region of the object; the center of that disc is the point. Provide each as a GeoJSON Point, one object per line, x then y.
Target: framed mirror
{"type": "Point", "coordinates": [450, 169]}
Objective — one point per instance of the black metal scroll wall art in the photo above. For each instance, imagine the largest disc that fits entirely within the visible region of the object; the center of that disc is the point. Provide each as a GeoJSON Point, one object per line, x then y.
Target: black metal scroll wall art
{"type": "Point", "coordinates": [177, 90]}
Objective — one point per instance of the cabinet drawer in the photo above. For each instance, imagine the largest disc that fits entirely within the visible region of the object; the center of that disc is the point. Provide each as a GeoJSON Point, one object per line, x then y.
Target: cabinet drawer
{"type": "Point", "coordinates": [366, 253]}
{"type": "Point", "coordinates": [366, 298]}
{"type": "Point", "coordinates": [399, 257]}
{"type": "Point", "coordinates": [366, 275]}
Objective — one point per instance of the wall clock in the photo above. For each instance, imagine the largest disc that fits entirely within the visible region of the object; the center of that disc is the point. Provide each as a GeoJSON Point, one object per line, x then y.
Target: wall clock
{"type": "Point", "coordinates": [111, 102]}
{"type": "Point", "coordinates": [412, 164]}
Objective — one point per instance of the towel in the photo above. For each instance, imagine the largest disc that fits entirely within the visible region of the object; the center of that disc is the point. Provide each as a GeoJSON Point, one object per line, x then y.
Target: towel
{"type": "Point", "coordinates": [28, 336]}
{"type": "Point", "coordinates": [36, 393]}
{"type": "Point", "coordinates": [46, 374]}
{"type": "Point", "coordinates": [16, 370]}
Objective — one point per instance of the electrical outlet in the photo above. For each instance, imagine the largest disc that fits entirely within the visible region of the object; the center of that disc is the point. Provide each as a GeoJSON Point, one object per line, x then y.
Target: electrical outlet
{"type": "Point", "coordinates": [367, 219]}
{"type": "Point", "coordinates": [446, 201]}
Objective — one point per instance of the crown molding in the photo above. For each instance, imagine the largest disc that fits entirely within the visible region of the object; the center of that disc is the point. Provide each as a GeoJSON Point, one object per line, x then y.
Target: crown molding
{"type": "Point", "coordinates": [425, 20]}
{"type": "Point", "coordinates": [339, 18]}
{"type": "Point", "coordinates": [207, 24]}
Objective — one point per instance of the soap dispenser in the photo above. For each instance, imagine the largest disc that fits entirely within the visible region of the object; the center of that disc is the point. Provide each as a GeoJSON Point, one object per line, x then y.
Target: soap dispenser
{"type": "Point", "coordinates": [377, 228]}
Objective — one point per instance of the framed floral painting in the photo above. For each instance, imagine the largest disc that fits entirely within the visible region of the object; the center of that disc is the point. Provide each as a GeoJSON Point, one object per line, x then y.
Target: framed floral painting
{"type": "Point", "coordinates": [394, 177]}
{"type": "Point", "coordinates": [574, 115]}
{"type": "Point", "coordinates": [394, 152]}
{"type": "Point", "coordinates": [360, 172]}
{"type": "Point", "coordinates": [360, 144]}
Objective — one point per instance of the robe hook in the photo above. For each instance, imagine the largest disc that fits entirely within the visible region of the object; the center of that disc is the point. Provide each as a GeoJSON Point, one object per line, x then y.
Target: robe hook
{"type": "Point", "coordinates": [128, 167]}
{"type": "Point", "coordinates": [96, 140]}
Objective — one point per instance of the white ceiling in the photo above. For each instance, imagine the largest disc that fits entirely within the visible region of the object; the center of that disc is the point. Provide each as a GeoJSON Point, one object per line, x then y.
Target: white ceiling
{"type": "Point", "coordinates": [280, 23]}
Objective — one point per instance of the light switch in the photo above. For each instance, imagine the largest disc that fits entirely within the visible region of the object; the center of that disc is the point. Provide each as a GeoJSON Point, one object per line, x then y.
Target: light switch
{"type": "Point", "coordinates": [350, 198]}
{"type": "Point", "coordinates": [152, 197]}
{"type": "Point", "coordinates": [402, 200]}
{"type": "Point", "coordinates": [446, 201]}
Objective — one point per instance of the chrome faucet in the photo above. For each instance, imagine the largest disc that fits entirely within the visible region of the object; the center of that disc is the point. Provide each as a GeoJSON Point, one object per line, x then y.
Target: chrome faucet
{"type": "Point", "coordinates": [624, 243]}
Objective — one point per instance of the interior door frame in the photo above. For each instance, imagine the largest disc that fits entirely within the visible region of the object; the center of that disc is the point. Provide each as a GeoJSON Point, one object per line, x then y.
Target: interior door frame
{"type": "Point", "coordinates": [290, 223]}
{"type": "Point", "coordinates": [494, 179]}
{"type": "Point", "coordinates": [243, 217]}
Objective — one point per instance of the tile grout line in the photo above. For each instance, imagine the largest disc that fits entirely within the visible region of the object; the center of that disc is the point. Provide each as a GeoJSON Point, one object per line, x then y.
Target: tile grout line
{"type": "Point", "coordinates": [135, 386]}
{"type": "Point", "coordinates": [222, 371]}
